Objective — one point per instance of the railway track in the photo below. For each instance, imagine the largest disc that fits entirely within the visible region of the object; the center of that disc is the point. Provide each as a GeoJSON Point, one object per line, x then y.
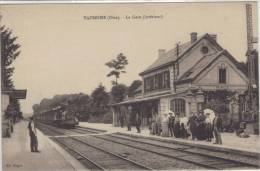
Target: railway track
{"type": "Point", "coordinates": [90, 164]}
{"type": "Point", "coordinates": [91, 156]}
{"type": "Point", "coordinates": [181, 153]}
{"type": "Point", "coordinates": [54, 131]}
{"type": "Point", "coordinates": [96, 158]}
{"type": "Point", "coordinates": [90, 148]}
{"type": "Point", "coordinates": [247, 158]}
{"type": "Point", "coordinates": [92, 129]}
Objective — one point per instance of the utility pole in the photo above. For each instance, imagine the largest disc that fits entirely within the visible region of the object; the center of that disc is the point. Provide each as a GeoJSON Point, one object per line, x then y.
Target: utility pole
{"type": "Point", "coordinates": [251, 61]}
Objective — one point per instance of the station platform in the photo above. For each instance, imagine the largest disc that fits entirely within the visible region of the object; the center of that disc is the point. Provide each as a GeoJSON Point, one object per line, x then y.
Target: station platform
{"type": "Point", "coordinates": [16, 154]}
{"type": "Point", "coordinates": [231, 142]}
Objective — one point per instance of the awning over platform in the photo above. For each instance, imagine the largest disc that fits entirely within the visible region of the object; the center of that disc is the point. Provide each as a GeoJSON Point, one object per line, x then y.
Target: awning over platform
{"type": "Point", "coordinates": [137, 100]}
{"type": "Point", "coordinates": [17, 94]}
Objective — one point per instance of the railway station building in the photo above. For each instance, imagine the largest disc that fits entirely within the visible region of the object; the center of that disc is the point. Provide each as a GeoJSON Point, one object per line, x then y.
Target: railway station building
{"type": "Point", "coordinates": [186, 79]}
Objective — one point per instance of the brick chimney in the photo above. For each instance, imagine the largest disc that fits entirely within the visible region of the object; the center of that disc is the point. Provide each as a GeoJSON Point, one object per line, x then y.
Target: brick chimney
{"type": "Point", "coordinates": [193, 37]}
{"type": "Point", "coordinates": [213, 36]}
{"type": "Point", "coordinates": [161, 53]}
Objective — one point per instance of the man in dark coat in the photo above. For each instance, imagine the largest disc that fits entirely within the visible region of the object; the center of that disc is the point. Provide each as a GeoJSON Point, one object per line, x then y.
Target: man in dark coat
{"type": "Point", "coordinates": [33, 135]}
{"type": "Point", "coordinates": [121, 116]}
{"type": "Point", "coordinates": [138, 122]}
{"type": "Point", "coordinates": [193, 124]}
{"type": "Point", "coordinates": [217, 125]}
{"type": "Point", "coordinates": [128, 118]}
{"type": "Point", "coordinates": [201, 134]}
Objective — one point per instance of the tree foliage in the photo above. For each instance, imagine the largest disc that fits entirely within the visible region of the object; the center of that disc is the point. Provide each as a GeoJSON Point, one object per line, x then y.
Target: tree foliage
{"type": "Point", "coordinates": [118, 66]}
{"type": "Point", "coordinates": [83, 105]}
{"type": "Point", "coordinates": [219, 100]}
{"type": "Point", "coordinates": [100, 99]}
{"type": "Point", "coordinates": [243, 66]}
{"type": "Point", "coordinates": [118, 92]}
{"type": "Point", "coordinates": [9, 52]}
{"type": "Point", "coordinates": [132, 88]}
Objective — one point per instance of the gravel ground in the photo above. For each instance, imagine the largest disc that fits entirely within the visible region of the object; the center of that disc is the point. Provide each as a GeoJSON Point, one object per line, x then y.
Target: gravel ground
{"type": "Point", "coordinates": [152, 160]}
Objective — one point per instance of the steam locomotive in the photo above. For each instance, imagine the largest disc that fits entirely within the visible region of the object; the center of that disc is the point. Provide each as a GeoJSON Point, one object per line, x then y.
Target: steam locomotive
{"type": "Point", "coordinates": [58, 116]}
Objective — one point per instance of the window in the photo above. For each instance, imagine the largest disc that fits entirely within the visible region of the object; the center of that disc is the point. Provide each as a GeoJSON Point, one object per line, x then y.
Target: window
{"type": "Point", "coordinates": [160, 81]}
{"type": "Point", "coordinates": [222, 75]}
{"type": "Point", "coordinates": [178, 106]}
{"type": "Point", "coordinates": [157, 82]}
{"type": "Point", "coordinates": [204, 49]}
{"type": "Point", "coordinates": [176, 69]}
{"type": "Point", "coordinates": [166, 79]}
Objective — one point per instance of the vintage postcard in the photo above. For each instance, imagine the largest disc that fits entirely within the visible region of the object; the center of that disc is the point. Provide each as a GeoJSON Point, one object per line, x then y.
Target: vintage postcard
{"type": "Point", "coordinates": [129, 86]}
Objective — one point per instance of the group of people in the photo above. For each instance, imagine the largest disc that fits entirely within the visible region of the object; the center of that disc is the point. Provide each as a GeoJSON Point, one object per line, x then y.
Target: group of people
{"type": "Point", "coordinates": [137, 122]}
{"type": "Point", "coordinates": [204, 126]}
{"type": "Point", "coordinates": [130, 117]}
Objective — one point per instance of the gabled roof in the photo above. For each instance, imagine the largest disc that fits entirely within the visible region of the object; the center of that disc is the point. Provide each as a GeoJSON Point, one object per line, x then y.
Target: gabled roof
{"type": "Point", "coordinates": [171, 55]}
{"type": "Point", "coordinates": [204, 63]}
{"type": "Point", "coordinates": [198, 67]}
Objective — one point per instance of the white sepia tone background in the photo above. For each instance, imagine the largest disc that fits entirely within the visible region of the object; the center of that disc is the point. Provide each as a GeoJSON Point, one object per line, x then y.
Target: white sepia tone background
{"type": "Point", "coordinates": [63, 53]}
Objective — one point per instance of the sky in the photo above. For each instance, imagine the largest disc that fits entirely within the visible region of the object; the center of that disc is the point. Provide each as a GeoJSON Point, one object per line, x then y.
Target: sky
{"type": "Point", "coordinates": [63, 52]}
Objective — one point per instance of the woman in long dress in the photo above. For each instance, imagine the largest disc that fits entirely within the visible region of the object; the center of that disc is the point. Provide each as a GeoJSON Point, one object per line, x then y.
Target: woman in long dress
{"type": "Point", "coordinates": [201, 127]}
{"type": "Point", "coordinates": [209, 124]}
{"type": "Point", "coordinates": [184, 127]}
{"type": "Point", "coordinates": [177, 126]}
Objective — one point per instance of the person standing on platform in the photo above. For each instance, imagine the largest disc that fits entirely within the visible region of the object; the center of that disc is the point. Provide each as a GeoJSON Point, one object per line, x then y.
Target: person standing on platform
{"type": "Point", "coordinates": [158, 125]}
{"type": "Point", "coordinates": [177, 126]}
{"type": "Point", "coordinates": [165, 124]}
{"type": "Point", "coordinates": [217, 125]}
{"type": "Point", "coordinates": [33, 135]}
{"type": "Point", "coordinates": [121, 116]}
{"type": "Point", "coordinates": [153, 123]}
{"type": "Point", "coordinates": [210, 115]}
{"type": "Point", "coordinates": [201, 126]}
{"type": "Point", "coordinates": [171, 123]}
{"type": "Point", "coordinates": [128, 118]}
{"type": "Point", "coordinates": [193, 124]}
{"type": "Point", "coordinates": [184, 127]}
{"type": "Point", "coordinates": [138, 122]}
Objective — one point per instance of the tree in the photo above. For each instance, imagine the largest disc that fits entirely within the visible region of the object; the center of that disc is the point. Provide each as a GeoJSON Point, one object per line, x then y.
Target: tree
{"type": "Point", "coordinates": [100, 99]}
{"type": "Point", "coordinates": [243, 67]}
{"type": "Point", "coordinates": [131, 89]}
{"type": "Point", "coordinates": [118, 66]}
{"type": "Point", "coordinates": [119, 92]}
{"type": "Point", "coordinates": [9, 52]}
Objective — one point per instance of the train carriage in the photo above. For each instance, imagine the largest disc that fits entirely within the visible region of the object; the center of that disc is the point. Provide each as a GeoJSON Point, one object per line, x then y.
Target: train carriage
{"type": "Point", "coordinates": [58, 116]}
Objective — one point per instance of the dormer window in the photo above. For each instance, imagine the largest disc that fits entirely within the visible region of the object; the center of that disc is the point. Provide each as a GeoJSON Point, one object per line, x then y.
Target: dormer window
{"type": "Point", "coordinates": [222, 74]}
{"type": "Point", "coordinates": [204, 50]}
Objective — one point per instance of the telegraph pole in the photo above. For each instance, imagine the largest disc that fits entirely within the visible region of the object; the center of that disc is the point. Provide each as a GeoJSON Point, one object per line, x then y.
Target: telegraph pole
{"type": "Point", "coordinates": [251, 60]}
